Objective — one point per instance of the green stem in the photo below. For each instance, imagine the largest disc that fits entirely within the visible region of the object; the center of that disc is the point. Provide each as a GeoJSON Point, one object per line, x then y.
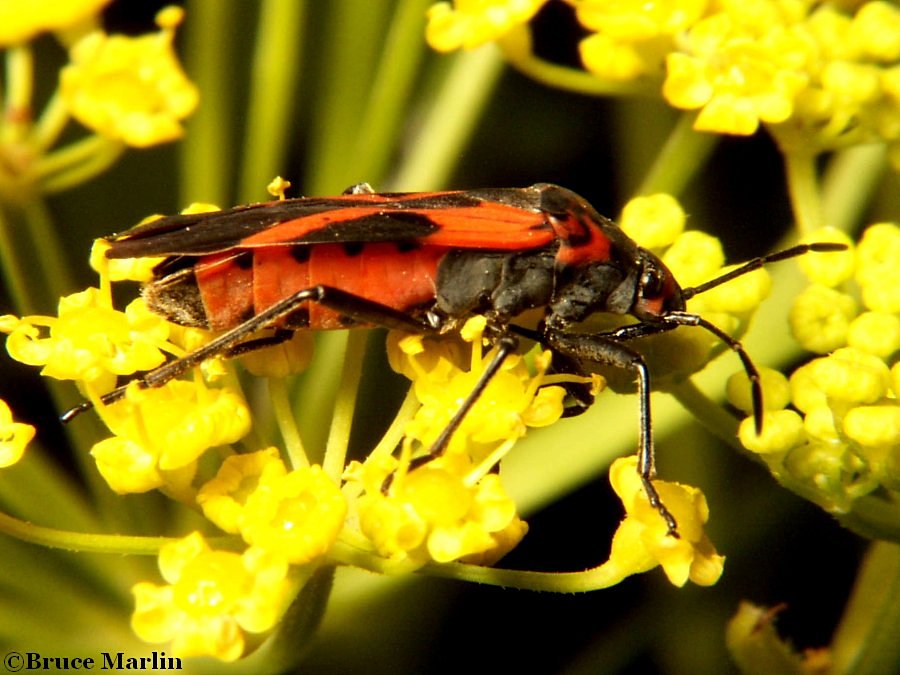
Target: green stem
{"type": "Point", "coordinates": [450, 120]}
{"type": "Point", "coordinates": [20, 86]}
{"type": "Point", "coordinates": [55, 265]}
{"type": "Point", "coordinates": [850, 182]}
{"type": "Point", "coordinates": [77, 163]}
{"type": "Point", "coordinates": [874, 517]}
{"type": "Point", "coordinates": [803, 187]}
{"type": "Point", "coordinates": [212, 48]}
{"type": "Point", "coordinates": [287, 424]}
{"type": "Point", "coordinates": [51, 122]}
{"type": "Point", "coordinates": [602, 576]}
{"type": "Point", "coordinates": [391, 89]}
{"type": "Point", "coordinates": [866, 640]}
{"type": "Point", "coordinates": [682, 155]}
{"type": "Point", "coordinates": [352, 35]}
{"type": "Point", "coordinates": [20, 290]}
{"type": "Point", "coordinates": [516, 46]}
{"type": "Point", "coordinates": [394, 434]}
{"type": "Point", "coordinates": [275, 68]}
{"type": "Point", "coordinates": [713, 416]}
{"type": "Point", "coordinates": [87, 542]}
{"type": "Point", "coordinates": [345, 405]}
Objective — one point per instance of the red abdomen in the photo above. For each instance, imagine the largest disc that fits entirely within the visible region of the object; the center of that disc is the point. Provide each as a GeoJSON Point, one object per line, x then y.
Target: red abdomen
{"type": "Point", "coordinates": [235, 285]}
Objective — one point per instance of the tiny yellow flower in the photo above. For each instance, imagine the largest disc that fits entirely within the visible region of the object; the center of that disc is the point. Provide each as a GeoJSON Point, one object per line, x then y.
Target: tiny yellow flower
{"type": "Point", "coordinates": [737, 76]}
{"type": "Point", "coordinates": [434, 513]}
{"type": "Point", "coordinates": [782, 430]}
{"type": "Point", "coordinates": [212, 599]}
{"type": "Point", "coordinates": [878, 267]}
{"type": "Point", "coordinates": [874, 425]}
{"type": "Point", "coordinates": [642, 541]}
{"type": "Point", "coordinates": [125, 269]}
{"type": "Point", "coordinates": [819, 423]}
{"type": "Point", "coordinates": [224, 497]}
{"type": "Point", "coordinates": [739, 296]}
{"type": "Point", "coordinates": [632, 37]}
{"type": "Point", "coordinates": [14, 436]}
{"type": "Point", "coordinates": [851, 376]}
{"type": "Point", "coordinates": [278, 186]}
{"type": "Point", "coordinates": [820, 318]}
{"type": "Point", "coordinates": [829, 269]}
{"type": "Point", "coordinates": [166, 429]}
{"type": "Point", "coordinates": [877, 333]}
{"type": "Point", "coordinates": [618, 61]}
{"type": "Point", "coordinates": [19, 22]}
{"type": "Point", "coordinates": [129, 88]}
{"type": "Point", "coordinates": [513, 400]}
{"type": "Point", "coordinates": [694, 257]}
{"type": "Point", "coordinates": [655, 221]}
{"type": "Point", "coordinates": [288, 358]}
{"type": "Point", "coordinates": [875, 30]}
{"type": "Point", "coordinates": [90, 341]}
{"type": "Point", "coordinates": [298, 515]}
{"type": "Point", "coordinates": [775, 386]}
{"type": "Point", "coordinates": [472, 23]}
{"type": "Point", "coordinates": [805, 393]}
{"type": "Point", "coordinates": [636, 20]}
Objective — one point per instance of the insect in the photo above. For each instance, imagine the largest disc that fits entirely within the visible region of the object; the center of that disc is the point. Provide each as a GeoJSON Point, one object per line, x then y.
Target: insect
{"type": "Point", "coordinates": [424, 262]}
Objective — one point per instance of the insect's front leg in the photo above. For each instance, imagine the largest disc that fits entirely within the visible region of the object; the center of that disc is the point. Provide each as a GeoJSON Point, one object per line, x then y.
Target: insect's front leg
{"type": "Point", "coordinates": [608, 351]}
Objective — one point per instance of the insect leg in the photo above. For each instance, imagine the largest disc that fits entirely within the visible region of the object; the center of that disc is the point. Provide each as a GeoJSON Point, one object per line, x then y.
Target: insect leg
{"type": "Point", "coordinates": [608, 351]}
{"type": "Point", "coordinates": [232, 341]}
{"type": "Point", "coordinates": [579, 394]}
{"type": "Point", "coordinates": [278, 337]}
{"type": "Point", "coordinates": [505, 346]}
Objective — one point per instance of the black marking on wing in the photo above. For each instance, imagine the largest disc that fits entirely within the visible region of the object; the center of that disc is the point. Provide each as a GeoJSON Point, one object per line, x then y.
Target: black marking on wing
{"type": "Point", "coordinates": [403, 217]}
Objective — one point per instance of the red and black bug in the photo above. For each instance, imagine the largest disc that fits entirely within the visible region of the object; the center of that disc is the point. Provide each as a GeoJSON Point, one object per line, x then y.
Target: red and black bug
{"type": "Point", "coordinates": [425, 262]}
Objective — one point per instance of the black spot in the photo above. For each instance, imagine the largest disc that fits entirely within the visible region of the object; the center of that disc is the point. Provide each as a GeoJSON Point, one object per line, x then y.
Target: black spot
{"type": "Point", "coordinates": [346, 321]}
{"type": "Point", "coordinates": [299, 318]}
{"type": "Point", "coordinates": [301, 253]}
{"type": "Point", "coordinates": [244, 260]}
{"type": "Point", "coordinates": [248, 313]}
{"type": "Point", "coordinates": [407, 245]}
{"type": "Point", "coordinates": [353, 248]}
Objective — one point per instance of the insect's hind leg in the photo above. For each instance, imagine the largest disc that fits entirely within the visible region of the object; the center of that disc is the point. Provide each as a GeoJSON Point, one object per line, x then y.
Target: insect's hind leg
{"type": "Point", "coordinates": [233, 342]}
{"type": "Point", "coordinates": [280, 336]}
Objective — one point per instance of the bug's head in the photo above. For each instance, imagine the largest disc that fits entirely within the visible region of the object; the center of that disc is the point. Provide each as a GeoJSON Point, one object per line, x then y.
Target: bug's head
{"type": "Point", "coordinates": [656, 292]}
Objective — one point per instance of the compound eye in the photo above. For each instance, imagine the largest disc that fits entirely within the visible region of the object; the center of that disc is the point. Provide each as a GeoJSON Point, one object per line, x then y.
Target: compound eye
{"type": "Point", "coordinates": [652, 283]}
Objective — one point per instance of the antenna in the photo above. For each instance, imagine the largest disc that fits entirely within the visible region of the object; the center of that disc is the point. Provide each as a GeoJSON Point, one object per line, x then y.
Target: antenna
{"type": "Point", "coordinates": [688, 319]}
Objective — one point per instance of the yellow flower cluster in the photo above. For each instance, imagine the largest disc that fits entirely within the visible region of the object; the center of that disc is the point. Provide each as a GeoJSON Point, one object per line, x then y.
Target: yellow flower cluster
{"type": "Point", "coordinates": [819, 72]}
{"type": "Point", "coordinates": [454, 507]}
{"type": "Point", "coordinates": [126, 90]}
{"type": "Point", "coordinates": [642, 541]}
{"type": "Point", "coordinates": [297, 514]}
{"type": "Point", "coordinates": [212, 598]}
{"type": "Point", "coordinates": [842, 439]}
